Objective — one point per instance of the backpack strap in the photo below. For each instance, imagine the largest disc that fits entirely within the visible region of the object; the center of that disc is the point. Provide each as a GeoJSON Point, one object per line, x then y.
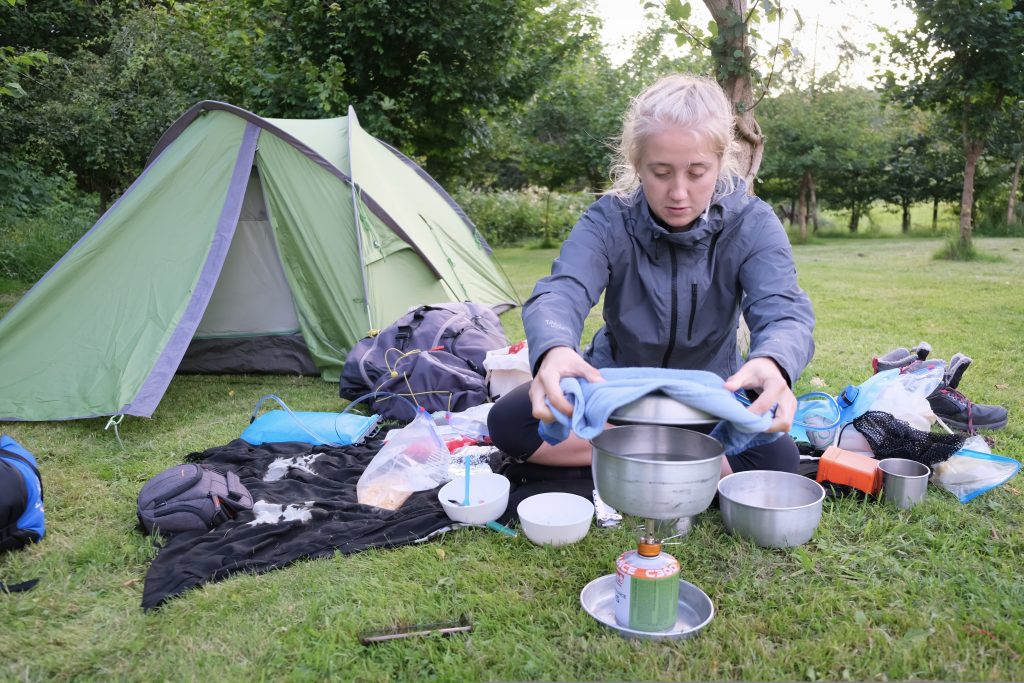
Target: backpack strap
{"type": "Point", "coordinates": [405, 332]}
{"type": "Point", "coordinates": [18, 587]}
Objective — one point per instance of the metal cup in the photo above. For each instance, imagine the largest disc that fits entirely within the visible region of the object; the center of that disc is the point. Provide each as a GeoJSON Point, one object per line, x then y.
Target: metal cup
{"type": "Point", "coordinates": [904, 482]}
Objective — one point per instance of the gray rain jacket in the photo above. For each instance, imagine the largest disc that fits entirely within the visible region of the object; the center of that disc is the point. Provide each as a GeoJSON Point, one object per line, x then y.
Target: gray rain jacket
{"type": "Point", "coordinates": [673, 299]}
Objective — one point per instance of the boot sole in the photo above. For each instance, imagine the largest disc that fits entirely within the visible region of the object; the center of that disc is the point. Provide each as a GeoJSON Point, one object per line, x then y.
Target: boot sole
{"type": "Point", "coordinates": [962, 426]}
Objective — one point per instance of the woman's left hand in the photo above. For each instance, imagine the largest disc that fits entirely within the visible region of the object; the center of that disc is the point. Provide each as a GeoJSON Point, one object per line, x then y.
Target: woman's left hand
{"type": "Point", "coordinates": [765, 376]}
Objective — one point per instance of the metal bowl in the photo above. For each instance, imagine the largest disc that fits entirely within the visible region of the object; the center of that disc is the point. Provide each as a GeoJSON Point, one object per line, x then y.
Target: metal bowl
{"type": "Point", "coordinates": [660, 409]}
{"type": "Point", "coordinates": [656, 471]}
{"type": "Point", "coordinates": [772, 509]}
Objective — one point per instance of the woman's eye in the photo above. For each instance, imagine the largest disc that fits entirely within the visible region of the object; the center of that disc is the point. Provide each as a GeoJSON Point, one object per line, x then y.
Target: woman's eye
{"type": "Point", "coordinates": [662, 175]}
{"type": "Point", "coordinates": [696, 176]}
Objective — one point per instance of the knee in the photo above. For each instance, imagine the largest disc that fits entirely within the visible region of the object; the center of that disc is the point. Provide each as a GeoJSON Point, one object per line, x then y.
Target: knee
{"type": "Point", "coordinates": [512, 426]}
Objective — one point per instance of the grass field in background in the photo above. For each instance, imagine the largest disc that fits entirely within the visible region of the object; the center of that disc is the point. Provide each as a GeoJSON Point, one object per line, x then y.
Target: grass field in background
{"type": "Point", "coordinates": [878, 594]}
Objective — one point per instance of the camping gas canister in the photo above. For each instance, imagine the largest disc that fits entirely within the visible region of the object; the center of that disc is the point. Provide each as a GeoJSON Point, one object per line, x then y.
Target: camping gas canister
{"type": "Point", "coordinates": [646, 589]}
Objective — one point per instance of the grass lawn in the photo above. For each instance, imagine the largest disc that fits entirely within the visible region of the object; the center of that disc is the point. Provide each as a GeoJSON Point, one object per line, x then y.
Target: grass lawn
{"type": "Point", "coordinates": [878, 594]}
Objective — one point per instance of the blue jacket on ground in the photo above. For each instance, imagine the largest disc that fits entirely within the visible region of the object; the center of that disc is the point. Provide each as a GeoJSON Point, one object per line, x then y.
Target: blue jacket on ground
{"type": "Point", "coordinates": [30, 525]}
{"type": "Point", "coordinates": [673, 300]}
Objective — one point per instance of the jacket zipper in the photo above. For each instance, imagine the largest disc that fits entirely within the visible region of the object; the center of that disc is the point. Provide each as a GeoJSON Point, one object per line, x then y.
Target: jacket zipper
{"type": "Point", "coordinates": [675, 311]}
{"type": "Point", "coordinates": [693, 311]}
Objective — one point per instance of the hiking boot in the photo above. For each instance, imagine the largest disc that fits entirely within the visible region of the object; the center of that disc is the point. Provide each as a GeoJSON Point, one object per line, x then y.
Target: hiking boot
{"type": "Point", "coordinates": [955, 370]}
{"type": "Point", "coordinates": [959, 412]}
{"type": "Point", "coordinates": [901, 357]}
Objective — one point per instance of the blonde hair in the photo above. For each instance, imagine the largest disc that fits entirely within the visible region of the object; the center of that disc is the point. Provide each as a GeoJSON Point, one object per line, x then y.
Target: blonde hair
{"type": "Point", "coordinates": [684, 101]}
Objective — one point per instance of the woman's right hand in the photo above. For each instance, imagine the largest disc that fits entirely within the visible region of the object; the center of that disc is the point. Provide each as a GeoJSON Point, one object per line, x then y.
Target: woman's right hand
{"type": "Point", "coordinates": [558, 362]}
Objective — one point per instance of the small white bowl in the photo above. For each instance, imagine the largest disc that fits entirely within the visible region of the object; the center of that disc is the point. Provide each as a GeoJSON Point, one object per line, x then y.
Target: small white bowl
{"type": "Point", "coordinates": [555, 518]}
{"type": "Point", "coordinates": [488, 498]}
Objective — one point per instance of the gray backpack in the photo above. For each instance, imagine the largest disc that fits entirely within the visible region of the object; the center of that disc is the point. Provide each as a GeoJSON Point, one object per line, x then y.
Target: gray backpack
{"type": "Point", "coordinates": [187, 497]}
{"type": "Point", "coordinates": [433, 355]}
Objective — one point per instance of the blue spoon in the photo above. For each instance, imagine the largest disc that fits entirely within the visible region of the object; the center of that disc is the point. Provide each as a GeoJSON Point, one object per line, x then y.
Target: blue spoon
{"type": "Point", "coordinates": [465, 501]}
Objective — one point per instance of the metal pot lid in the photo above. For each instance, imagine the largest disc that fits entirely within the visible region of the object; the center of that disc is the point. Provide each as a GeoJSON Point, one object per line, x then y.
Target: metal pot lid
{"type": "Point", "coordinates": [660, 409]}
{"type": "Point", "coordinates": [695, 610]}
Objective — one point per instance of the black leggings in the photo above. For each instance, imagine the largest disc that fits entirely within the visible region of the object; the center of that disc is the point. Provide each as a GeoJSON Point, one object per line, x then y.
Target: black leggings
{"type": "Point", "coordinates": [513, 430]}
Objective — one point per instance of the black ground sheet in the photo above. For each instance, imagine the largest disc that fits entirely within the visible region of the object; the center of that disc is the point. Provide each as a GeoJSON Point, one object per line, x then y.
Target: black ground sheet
{"type": "Point", "coordinates": [309, 510]}
{"type": "Point", "coordinates": [305, 507]}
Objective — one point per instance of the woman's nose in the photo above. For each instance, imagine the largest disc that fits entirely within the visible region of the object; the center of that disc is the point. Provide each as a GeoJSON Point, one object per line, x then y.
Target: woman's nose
{"type": "Point", "coordinates": [678, 189]}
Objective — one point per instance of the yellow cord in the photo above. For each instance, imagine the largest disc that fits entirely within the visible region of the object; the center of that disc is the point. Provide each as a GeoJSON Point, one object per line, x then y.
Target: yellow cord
{"type": "Point", "coordinates": [387, 363]}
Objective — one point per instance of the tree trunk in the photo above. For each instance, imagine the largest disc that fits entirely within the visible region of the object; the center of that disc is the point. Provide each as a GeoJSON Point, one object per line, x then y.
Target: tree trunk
{"type": "Point", "coordinates": [814, 202]}
{"type": "Point", "coordinates": [854, 217]}
{"type": "Point", "coordinates": [105, 195]}
{"type": "Point", "coordinates": [792, 212]}
{"type": "Point", "coordinates": [935, 214]}
{"type": "Point", "coordinates": [738, 87]}
{"type": "Point", "coordinates": [1011, 205]}
{"type": "Point", "coordinates": [972, 152]}
{"type": "Point", "coordinates": [906, 216]}
{"type": "Point", "coordinates": [802, 205]}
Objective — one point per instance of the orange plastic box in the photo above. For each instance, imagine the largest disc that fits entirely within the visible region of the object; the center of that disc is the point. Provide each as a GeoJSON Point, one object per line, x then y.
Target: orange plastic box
{"type": "Point", "coordinates": [850, 469]}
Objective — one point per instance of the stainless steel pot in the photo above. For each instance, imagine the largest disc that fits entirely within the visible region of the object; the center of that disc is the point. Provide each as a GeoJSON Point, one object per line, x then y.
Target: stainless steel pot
{"type": "Point", "coordinates": [656, 471]}
{"type": "Point", "coordinates": [659, 409]}
{"type": "Point", "coordinates": [773, 509]}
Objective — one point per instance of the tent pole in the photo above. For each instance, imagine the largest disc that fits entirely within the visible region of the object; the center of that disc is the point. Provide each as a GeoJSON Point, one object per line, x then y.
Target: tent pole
{"type": "Point", "coordinates": [357, 215]}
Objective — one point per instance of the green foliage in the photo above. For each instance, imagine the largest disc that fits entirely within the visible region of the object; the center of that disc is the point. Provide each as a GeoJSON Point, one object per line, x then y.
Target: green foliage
{"type": "Point", "coordinates": [990, 220]}
{"type": "Point", "coordinates": [568, 127]}
{"type": "Point", "coordinates": [99, 113]}
{"type": "Point", "coordinates": [41, 216]}
{"type": "Point", "coordinates": [562, 137]}
{"type": "Point", "coordinates": [14, 66]}
{"type": "Point", "coordinates": [422, 77]}
{"type": "Point", "coordinates": [965, 61]}
{"type": "Point", "coordinates": [957, 250]}
{"type": "Point", "coordinates": [733, 39]}
{"type": "Point", "coordinates": [521, 217]}
{"type": "Point", "coordinates": [838, 137]}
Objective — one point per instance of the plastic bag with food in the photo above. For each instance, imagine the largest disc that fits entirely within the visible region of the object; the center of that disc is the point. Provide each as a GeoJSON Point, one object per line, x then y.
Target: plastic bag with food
{"type": "Point", "coordinates": [413, 458]}
{"type": "Point", "coordinates": [967, 474]}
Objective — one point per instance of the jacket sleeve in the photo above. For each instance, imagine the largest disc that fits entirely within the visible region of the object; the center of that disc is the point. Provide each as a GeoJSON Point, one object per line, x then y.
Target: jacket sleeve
{"type": "Point", "coordinates": [778, 312]}
{"type": "Point", "coordinates": [556, 310]}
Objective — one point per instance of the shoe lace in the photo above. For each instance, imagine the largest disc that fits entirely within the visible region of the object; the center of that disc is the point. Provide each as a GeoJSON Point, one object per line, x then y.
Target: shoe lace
{"type": "Point", "coordinates": [959, 397]}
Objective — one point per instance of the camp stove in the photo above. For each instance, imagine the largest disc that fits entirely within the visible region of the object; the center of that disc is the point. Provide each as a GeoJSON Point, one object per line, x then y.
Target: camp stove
{"type": "Point", "coordinates": [665, 475]}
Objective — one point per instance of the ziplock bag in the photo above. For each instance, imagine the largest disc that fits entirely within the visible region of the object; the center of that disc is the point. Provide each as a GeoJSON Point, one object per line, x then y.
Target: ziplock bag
{"type": "Point", "coordinates": [414, 458]}
{"type": "Point", "coordinates": [967, 474]}
{"type": "Point", "coordinates": [329, 429]}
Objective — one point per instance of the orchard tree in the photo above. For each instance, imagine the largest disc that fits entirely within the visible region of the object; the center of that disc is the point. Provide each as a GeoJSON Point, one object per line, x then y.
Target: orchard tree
{"type": "Point", "coordinates": [792, 130]}
{"type": "Point", "coordinates": [828, 144]}
{"type": "Point", "coordinates": [963, 58]}
{"type": "Point", "coordinates": [567, 126]}
{"type": "Point", "coordinates": [568, 129]}
{"type": "Point", "coordinates": [924, 163]}
{"type": "Point", "coordinates": [730, 37]}
{"type": "Point", "coordinates": [1008, 145]}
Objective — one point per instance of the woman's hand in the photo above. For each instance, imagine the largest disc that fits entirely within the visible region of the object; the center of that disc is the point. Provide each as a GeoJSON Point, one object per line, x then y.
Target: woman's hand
{"type": "Point", "coordinates": [558, 362]}
{"type": "Point", "coordinates": [765, 376]}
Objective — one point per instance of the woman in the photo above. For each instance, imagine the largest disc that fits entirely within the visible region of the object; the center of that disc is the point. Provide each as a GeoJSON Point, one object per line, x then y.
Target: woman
{"type": "Point", "coordinates": [679, 250]}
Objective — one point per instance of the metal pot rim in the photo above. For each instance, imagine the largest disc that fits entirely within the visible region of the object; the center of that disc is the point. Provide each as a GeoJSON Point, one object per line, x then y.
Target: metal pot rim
{"type": "Point", "coordinates": [815, 503]}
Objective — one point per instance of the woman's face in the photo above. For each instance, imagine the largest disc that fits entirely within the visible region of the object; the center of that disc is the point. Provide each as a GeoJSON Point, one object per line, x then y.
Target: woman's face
{"type": "Point", "coordinates": [678, 170]}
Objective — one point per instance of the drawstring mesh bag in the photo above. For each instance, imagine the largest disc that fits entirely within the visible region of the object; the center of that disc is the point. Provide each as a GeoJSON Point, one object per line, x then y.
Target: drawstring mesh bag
{"type": "Point", "coordinates": [890, 437]}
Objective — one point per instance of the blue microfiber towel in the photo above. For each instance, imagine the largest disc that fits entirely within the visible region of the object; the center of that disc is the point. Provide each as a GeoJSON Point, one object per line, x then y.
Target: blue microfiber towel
{"type": "Point", "coordinates": [594, 402]}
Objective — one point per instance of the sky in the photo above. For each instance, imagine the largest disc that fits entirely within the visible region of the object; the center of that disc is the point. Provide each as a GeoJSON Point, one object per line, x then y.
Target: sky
{"type": "Point", "coordinates": [855, 20]}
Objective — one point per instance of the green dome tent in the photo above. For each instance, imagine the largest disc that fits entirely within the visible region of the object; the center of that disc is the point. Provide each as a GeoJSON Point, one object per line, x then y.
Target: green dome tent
{"type": "Point", "coordinates": [246, 245]}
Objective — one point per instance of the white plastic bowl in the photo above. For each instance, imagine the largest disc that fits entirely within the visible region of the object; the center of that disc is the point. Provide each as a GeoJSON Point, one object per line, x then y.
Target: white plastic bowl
{"type": "Point", "coordinates": [488, 498]}
{"type": "Point", "coordinates": [555, 518]}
